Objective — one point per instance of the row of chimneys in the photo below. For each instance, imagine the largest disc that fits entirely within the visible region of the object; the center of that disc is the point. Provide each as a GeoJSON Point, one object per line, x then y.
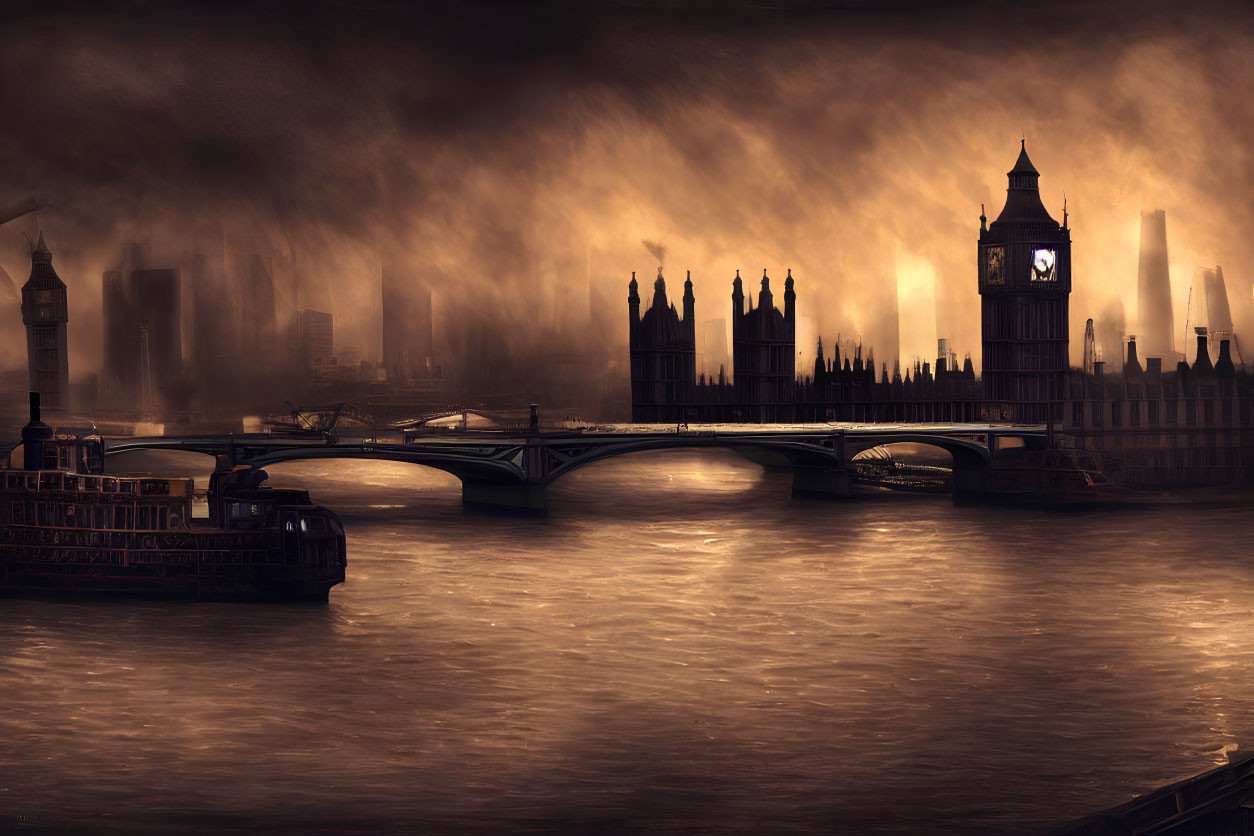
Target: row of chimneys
{"type": "Point", "coordinates": [1202, 366]}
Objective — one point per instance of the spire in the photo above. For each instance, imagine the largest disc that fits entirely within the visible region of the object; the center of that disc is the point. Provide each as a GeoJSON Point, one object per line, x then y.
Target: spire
{"type": "Point", "coordinates": [40, 253]}
{"type": "Point", "coordinates": [690, 302]}
{"type": "Point", "coordinates": [765, 299]}
{"type": "Point", "coordinates": [983, 219]}
{"type": "Point", "coordinates": [1023, 165]}
{"type": "Point", "coordinates": [1023, 196]}
{"type": "Point", "coordinates": [659, 290]}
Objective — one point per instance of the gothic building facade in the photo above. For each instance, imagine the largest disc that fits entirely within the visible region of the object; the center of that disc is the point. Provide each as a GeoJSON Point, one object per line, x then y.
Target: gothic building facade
{"type": "Point", "coordinates": [764, 351]}
{"type": "Point", "coordinates": [663, 354]}
{"type": "Point", "coordinates": [1024, 283]}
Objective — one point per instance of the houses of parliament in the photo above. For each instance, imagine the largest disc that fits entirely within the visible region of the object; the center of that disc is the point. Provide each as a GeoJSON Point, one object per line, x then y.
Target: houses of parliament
{"type": "Point", "coordinates": [1189, 423]}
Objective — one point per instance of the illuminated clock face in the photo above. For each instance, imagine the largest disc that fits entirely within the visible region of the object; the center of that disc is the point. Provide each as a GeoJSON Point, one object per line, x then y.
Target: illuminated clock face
{"type": "Point", "coordinates": [995, 265]}
{"type": "Point", "coordinates": [1043, 266]}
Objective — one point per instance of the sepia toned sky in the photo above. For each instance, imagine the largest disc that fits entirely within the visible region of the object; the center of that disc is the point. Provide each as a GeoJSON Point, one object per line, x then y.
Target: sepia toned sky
{"type": "Point", "coordinates": [509, 154]}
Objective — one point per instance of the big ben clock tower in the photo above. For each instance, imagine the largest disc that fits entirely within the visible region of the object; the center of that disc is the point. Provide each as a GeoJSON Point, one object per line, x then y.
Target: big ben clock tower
{"type": "Point", "coordinates": [45, 313]}
{"type": "Point", "coordinates": [1025, 282]}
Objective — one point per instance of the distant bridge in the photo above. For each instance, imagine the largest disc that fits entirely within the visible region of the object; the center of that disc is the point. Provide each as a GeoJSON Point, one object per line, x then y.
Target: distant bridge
{"type": "Point", "coordinates": [512, 469]}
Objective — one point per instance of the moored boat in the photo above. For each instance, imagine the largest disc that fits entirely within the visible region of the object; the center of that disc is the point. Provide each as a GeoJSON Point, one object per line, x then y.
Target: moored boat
{"type": "Point", "coordinates": [67, 527]}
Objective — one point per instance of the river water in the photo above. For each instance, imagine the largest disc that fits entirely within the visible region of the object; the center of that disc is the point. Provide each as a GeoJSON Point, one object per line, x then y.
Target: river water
{"type": "Point", "coordinates": [678, 647]}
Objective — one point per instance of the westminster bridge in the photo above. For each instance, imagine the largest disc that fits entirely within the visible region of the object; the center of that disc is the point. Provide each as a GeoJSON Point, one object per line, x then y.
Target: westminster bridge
{"type": "Point", "coordinates": [512, 468]}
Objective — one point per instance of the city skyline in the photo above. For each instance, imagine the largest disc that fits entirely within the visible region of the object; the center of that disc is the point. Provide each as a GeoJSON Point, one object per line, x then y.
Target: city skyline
{"type": "Point", "coordinates": [867, 215]}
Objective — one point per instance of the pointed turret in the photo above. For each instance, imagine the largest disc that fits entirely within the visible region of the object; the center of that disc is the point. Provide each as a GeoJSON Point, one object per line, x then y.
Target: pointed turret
{"type": "Point", "coordinates": [790, 298]}
{"type": "Point", "coordinates": [690, 302]}
{"type": "Point", "coordinates": [633, 308]}
{"type": "Point", "coordinates": [765, 299]}
{"type": "Point", "coordinates": [1023, 166]}
{"type": "Point", "coordinates": [659, 291]}
{"type": "Point", "coordinates": [1023, 195]}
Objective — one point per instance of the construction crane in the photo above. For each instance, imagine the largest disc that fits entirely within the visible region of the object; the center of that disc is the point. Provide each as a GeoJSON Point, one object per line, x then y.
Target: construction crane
{"type": "Point", "coordinates": [22, 207]}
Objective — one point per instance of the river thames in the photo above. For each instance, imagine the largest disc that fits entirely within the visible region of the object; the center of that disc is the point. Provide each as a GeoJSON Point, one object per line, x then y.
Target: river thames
{"type": "Point", "coordinates": [677, 647]}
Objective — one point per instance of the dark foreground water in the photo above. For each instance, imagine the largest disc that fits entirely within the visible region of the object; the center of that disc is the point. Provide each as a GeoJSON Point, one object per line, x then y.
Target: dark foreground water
{"type": "Point", "coordinates": [678, 647]}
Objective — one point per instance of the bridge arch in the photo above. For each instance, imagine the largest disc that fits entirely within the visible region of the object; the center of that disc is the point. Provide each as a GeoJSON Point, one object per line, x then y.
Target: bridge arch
{"type": "Point", "coordinates": [504, 470]}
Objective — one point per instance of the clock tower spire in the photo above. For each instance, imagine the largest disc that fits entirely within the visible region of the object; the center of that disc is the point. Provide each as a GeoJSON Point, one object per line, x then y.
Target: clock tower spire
{"type": "Point", "coordinates": [1024, 284]}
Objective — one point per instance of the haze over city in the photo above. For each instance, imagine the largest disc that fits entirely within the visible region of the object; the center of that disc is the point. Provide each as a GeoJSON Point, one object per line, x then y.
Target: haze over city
{"type": "Point", "coordinates": [523, 179]}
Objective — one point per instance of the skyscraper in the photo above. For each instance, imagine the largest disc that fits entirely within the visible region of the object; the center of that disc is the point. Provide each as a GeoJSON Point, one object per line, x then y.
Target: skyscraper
{"type": "Point", "coordinates": [45, 313]}
{"type": "Point", "coordinates": [1154, 288]}
{"type": "Point", "coordinates": [1209, 309]}
{"type": "Point", "coordinates": [1024, 283]}
{"type": "Point", "coordinates": [407, 327]}
{"type": "Point", "coordinates": [143, 334]}
{"type": "Point", "coordinates": [316, 335]}
{"type": "Point", "coordinates": [255, 285]}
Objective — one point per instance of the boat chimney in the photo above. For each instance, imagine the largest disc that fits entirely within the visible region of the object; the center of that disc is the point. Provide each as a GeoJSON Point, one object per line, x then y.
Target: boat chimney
{"type": "Point", "coordinates": [34, 435]}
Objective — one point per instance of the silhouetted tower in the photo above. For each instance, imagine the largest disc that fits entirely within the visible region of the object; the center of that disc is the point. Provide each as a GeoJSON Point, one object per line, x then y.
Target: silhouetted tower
{"type": "Point", "coordinates": [1025, 282]}
{"type": "Point", "coordinates": [45, 312]}
{"type": "Point", "coordinates": [1208, 308]}
{"type": "Point", "coordinates": [1090, 346]}
{"type": "Point", "coordinates": [255, 285]}
{"type": "Point", "coordinates": [764, 357]}
{"type": "Point", "coordinates": [408, 345]}
{"type": "Point", "coordinates": [663, 354]}
{"type": "Point", "coordinates": [1154, 288]}
{"type": "Point", "coordinates": [134, 298]}
{"type": "Point", "coordinates": [147, 389]}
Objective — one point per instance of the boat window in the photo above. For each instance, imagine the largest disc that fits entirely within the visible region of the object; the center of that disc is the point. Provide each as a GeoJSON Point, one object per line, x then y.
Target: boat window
{"type": "Point", "coordinates": [126, 486]}
{"type": "Point", "coordinates": [49, 481]}
{"type": "Point", "coordinates": [15, 481]}
{"type": "Point", "coordinates": [109, 485]}
{"type": "Point", "coordinates": [93, 484]}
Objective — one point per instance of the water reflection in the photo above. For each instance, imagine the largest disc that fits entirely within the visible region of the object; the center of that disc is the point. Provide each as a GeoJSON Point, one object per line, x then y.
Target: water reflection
{"type": "Point", "coordinates": [678, 645]}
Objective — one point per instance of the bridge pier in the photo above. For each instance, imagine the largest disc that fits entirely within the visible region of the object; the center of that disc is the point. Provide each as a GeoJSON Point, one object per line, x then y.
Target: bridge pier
{"type": "Point", "coordinates": [525, 498]}
{"type": "Point", "coordinates": [822, 482]}
{"type": "Point", "coordinates": [970, 481]}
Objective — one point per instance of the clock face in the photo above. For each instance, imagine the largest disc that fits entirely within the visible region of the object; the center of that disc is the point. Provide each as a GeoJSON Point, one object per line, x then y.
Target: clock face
{"type": "Point", "coordinates": [995, 265]}
{"type": "Point", "coordinates": [1043, 266]}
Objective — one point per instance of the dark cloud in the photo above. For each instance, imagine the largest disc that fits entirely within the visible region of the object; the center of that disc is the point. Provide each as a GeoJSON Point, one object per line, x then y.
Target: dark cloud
{"type": "Point", "coordinates": [500, 147]}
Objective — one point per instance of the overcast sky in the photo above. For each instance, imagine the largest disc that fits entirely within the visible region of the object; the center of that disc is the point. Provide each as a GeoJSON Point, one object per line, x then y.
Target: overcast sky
{"type": "Point", "coordinates": [506, 152]}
